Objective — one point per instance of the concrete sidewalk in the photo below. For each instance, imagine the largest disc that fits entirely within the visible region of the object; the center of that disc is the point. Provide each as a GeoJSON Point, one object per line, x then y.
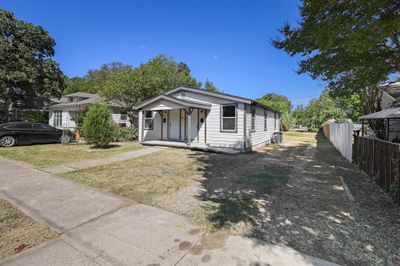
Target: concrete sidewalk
{"type": "Point", "coordinates": [97, 162]}
{"type": "Point", "coordinates": [102, 229]}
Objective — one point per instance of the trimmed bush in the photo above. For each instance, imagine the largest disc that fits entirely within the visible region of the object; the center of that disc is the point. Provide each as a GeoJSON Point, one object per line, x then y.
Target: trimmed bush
{"type": "Point", "coordinates": [33, 116]}
{"type": "Point", "coordinates": [98, 128]}
{"type": "Point", "coordinates": [125, 134]}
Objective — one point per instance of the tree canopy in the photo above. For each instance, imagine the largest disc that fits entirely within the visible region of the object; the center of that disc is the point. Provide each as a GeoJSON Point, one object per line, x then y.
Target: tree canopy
{"type": "Point", "coordinates": [277, 102]}
{"type": "Point", "coordinates": [352, 45]}
{"type": "Point", "coordinates": [318, 111]}
{"type": "Point", "coordinates": [27, 67]}
{"type": "Point", "coordinates": [129, 86]}
{"type": "Point", "coordinates": [209, 86]}
{"type": "Point", "coordinates": [92, 81]}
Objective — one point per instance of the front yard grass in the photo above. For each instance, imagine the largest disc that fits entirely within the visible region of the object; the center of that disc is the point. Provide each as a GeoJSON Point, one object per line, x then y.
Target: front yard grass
{"type": "Point", "coordinates": [18, 231]}
{"type": "Point", "coordinates": [213, 190]}
{"type": "Point", "coordinates": [142, 179]}
{"type": "Point", "coordinates": [46, 155]}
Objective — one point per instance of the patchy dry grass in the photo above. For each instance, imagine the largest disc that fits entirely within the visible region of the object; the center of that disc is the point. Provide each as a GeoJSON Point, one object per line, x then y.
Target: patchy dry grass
{"type": "Point", "coordinates": [214, 190]}
{"type": "Point", "coordinates": [289, 194]}
{"type": "Point", "coordinates": [18, 231]}
{"type": "Point", "coordinates": [144, 178]}
{"type": "Point", "coordinates": [46, 155]}
{"type": "Point", "coordinates": [297, 137]}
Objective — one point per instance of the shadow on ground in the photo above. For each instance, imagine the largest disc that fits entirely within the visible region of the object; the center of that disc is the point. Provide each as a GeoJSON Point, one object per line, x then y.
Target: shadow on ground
{"type": "Point", "coordinates": [292, 195]}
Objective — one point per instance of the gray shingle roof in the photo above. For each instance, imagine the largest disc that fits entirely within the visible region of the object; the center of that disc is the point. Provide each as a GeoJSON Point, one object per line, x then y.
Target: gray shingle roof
{"type": "Point", "coordinates": [384, 114]}
{"type": "Point", "coordinates": [91, 98]}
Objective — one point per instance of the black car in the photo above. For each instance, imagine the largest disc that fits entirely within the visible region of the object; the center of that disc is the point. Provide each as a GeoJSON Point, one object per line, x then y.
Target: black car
{"type": "Point", "coordinates": [19, 133]}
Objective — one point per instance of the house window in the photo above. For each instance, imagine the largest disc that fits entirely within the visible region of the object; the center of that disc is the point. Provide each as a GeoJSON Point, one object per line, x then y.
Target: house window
{"type": "Point", "coordinates": [124, 116]}
{"type": "Point", "coordinates": [228, 118]}
{"type": "Point", "coordinates": [148, 120]}
{"type": "Point", "coordinates": [57, 119]}
{"type": "Point", "coordinates": [253, 118]}
{"type": "Point", "coordinates": [275, 121]}
{"type": "Point", "coordinates": [265, 119]}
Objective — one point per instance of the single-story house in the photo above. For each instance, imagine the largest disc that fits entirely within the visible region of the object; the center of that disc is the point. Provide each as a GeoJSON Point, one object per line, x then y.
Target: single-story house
{"type": "Point", "coordinates": [196, 118]}
{"type": "Point", "coordinates": [64, 114]}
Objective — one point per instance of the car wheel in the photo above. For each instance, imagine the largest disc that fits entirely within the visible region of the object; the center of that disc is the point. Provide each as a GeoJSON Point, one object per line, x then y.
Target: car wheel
{"type": "Point", "coordinates": [65, 138]}
{"type": "Point", "coordinates": [7, 141]}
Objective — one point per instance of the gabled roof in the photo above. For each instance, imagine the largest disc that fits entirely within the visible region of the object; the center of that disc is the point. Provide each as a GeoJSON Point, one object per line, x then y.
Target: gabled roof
{"type": "Point", "coordinates": [82, 94]}
{"type": "Point", "coordinates": [183, 102]}
{"type": "Point", "coordinates": [384, 114]}
{"type": "Point", "coordinates": [393, 89]}
{"type": "Point", "coordinates": [91, 98]}
{"type": "Point", "coordinates": [223, 96]}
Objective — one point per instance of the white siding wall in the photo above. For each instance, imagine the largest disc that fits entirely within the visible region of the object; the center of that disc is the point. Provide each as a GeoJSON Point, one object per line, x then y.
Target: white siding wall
{"type": "Point", "coordinates": [66, 121]}
{"type": "Point", "coordinates": [151, 134]}
{"type": "Point", "coordinates": [51, 118]}
{"type": "Point", "coordinates": [69, 123]}
{"type": "Point", "coordinates": [259, 136]}
{"type": "Point", "coordinates": [116, 117]}
{"type": "Point", "coordinates": [214, 135]}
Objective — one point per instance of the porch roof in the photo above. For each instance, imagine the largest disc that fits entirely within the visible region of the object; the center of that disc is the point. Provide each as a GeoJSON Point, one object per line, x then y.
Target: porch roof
{"type": "Point", "coordinates": [164, 102]}
{"type": "Point", "coordinates": [384, 114]}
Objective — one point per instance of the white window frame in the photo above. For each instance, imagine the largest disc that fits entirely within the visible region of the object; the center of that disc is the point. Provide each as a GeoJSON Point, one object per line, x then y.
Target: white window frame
{"type": "Point", "coordinates": [222, 117]}
{"type": "Point", "coordinates": [123, 117]}
{"type": "Point", "coordinates": [57, 118]}
{"type": "Point", "coordinates": [148, 118]}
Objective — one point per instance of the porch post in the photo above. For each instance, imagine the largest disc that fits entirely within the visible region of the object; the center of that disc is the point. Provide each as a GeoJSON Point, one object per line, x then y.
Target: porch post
{"type": "Point", "coordinates": [189, 117]}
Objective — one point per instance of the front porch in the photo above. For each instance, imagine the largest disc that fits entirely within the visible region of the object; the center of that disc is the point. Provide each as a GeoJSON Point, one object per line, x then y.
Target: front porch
{"type": "Point", "coordinates": [192, 146]}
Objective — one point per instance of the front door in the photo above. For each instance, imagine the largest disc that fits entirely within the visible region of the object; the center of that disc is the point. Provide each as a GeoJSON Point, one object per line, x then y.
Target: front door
{"type": "Point", "coordinates": [174, 124]}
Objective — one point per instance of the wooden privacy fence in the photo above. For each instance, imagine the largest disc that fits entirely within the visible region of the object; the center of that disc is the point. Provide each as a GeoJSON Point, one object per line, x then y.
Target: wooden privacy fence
{"type": "Point", "coordinates": [381, 160]}
{"type": "Point", "coordinates": [341, 136]}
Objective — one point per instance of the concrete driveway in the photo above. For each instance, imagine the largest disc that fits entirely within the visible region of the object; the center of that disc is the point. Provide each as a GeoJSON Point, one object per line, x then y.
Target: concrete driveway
{"type": "Point", "coordinates": [102, 229]}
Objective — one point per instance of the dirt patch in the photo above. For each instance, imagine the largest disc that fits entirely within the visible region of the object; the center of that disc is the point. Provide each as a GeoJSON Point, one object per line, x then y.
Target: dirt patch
{"type": "Point", "coordinates": [291, 194]}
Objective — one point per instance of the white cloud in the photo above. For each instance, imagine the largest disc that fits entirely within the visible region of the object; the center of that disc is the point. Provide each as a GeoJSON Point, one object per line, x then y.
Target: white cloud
{"type": "Point", "coordinates": [141, 47]}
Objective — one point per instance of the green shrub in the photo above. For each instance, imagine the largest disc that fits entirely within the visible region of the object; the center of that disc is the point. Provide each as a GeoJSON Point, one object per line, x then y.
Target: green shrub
{"type": "Point", "coordinates": [33, 116]}
{"type": "Point", "coordinates": [98, 128]}
{"type": "Point", "coordinates": [125, 134]}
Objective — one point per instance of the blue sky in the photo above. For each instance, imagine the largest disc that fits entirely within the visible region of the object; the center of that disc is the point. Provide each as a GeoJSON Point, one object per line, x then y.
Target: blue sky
{"type": "Point", "coordinates": [224, 41]}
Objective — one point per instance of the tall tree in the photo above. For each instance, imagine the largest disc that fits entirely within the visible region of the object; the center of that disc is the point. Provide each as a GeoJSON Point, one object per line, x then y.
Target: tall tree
{"type": "Point", "coordinates": [318, 111]}
{"type": "Point", "coordinates": [27, 68]}
{"type": "Point", "coordinates": [352, 45]}
{"type": "Point", "coordinates": [209, 86]}
{"type": "Point", "coordinates": [131, 86]}
{"type": "Point", "coordinates": [92, 81]}
{"type": "Point", "coordinates": [277, 102]}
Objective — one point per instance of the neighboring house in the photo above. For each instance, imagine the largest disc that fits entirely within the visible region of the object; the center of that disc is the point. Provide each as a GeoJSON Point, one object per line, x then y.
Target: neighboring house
{"type": "Point", "coordinates": [201, 119]}
{"type": "Point", "coordinates": [64, 114]}
{"type": "Point", "coordinates": [389, 116]}
{"type": "Point", "coordinates": [390, 95]}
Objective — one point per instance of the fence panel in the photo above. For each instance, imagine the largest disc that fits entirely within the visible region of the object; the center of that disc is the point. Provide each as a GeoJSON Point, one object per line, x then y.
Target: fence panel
{"type": "Point", "coordinates": [380, 160]}
{"type": "Point", "coordinates": [341, 136]}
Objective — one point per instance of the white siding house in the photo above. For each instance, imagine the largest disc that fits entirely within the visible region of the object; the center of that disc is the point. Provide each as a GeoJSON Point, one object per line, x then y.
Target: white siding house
{"type": "Point", "coordinates": [63, 115]}
{"type": "Point", "coordinates": [201, 119]}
